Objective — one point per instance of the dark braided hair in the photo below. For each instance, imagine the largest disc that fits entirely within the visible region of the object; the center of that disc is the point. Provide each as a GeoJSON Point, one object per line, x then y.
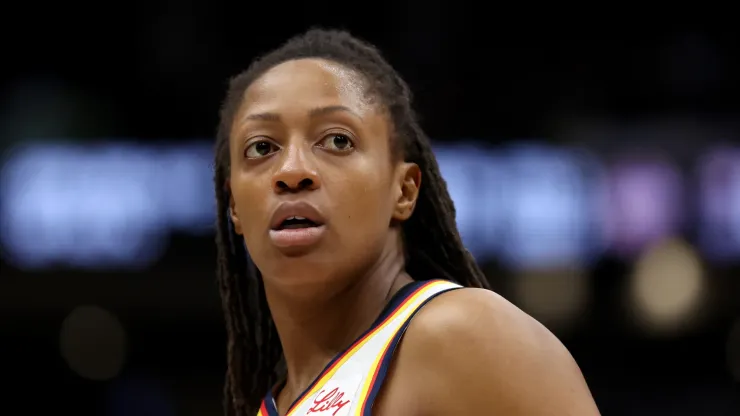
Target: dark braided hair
{"type": "Point", "coordinates": [433, 246]}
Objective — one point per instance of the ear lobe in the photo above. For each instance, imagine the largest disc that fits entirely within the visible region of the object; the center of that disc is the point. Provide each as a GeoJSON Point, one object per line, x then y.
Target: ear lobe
{"type": "Point", "coordinates": [410, 183]}
{"type": "Point", "coordinates": [233, 215]}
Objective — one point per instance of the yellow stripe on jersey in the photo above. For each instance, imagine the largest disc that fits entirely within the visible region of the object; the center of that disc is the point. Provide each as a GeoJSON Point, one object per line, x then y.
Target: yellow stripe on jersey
{"type": "Point", "coordinates": [369, 380]}
{"type": "Point", "coordinates": [400, 310]}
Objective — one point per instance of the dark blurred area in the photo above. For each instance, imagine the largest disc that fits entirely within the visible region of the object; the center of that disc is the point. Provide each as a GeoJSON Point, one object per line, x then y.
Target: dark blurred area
{"type": "Point", "coordinates": [596, 174]}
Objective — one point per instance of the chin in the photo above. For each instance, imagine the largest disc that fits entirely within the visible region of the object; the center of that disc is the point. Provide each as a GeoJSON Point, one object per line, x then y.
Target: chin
{"type": "Point", "coordinates": [299, 252]}
{"type": "Point", "coordinates": [301, 267]}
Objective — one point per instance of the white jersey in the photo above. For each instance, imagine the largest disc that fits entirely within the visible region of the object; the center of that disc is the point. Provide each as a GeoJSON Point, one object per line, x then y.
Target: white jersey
{"type": "Point", "coordinates": [349, 384]}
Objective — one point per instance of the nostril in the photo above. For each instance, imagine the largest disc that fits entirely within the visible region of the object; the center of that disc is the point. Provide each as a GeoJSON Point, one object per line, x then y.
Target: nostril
{"type": "Point", "coordinates": [294, 186]}
{"type": "Point", "coordinates": [305, 183]}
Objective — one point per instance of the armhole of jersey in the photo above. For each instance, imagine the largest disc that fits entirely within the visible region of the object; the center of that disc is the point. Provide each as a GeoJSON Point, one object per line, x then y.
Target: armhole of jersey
{"type": "Point", "coordinates": [387, 358]}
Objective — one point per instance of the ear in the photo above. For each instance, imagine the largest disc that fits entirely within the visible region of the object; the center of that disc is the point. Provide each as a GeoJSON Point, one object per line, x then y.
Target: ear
{"type": "Point", "coordinates": [233, 214]}
{"type": "Point", "coordinates": [407, 191]}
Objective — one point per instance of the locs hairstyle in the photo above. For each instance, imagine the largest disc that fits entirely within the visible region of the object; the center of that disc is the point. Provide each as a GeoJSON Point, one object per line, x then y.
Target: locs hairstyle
{"type": "Point", "coordinates": [433, 246]}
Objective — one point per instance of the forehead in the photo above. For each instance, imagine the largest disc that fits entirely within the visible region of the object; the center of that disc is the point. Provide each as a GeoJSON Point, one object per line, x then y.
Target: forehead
{"type": "Point", "coordinates": [314, 82]}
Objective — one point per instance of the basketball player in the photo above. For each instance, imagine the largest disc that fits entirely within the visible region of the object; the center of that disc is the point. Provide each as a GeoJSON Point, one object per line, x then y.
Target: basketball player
{"type": "Point", "coordinates": [345, 285]}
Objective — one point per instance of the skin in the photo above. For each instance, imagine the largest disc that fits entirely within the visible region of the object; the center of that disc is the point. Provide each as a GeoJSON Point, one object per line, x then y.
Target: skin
{"type": "Point", "coordinates": [322, 141]}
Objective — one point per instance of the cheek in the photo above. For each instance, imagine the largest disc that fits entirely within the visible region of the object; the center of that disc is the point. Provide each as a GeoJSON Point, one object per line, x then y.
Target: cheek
{"type": "Point", "coordinates": [363, 201]}
{"type": "Point", "coordinates": [250, 206]}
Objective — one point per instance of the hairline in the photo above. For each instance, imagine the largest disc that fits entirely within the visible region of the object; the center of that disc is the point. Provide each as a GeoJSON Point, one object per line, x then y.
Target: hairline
{"type": "Point", "coordinates": [372, 96]}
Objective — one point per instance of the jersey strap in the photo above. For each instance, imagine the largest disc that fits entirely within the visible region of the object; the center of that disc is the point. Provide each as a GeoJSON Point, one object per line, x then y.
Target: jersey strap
{"type": "Point", "coordinates": [361, 369]}
{"type": "Point", "coordinates": [373, 381]}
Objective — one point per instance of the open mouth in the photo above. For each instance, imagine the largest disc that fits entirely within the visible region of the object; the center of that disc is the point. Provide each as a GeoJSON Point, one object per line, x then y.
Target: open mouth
{"type": "Point", "coordinates": [294, 223]}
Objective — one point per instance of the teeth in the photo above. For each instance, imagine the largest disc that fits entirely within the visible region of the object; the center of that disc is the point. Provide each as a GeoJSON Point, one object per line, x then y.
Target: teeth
{"type": "Point", "coordinates": [296, 218]}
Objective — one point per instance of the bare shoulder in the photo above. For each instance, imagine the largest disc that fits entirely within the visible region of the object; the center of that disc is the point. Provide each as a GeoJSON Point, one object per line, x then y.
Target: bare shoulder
{"type": "Point", "coordinates": [481, 317]}
{"type": "Point", "coordinates": [475, 352]}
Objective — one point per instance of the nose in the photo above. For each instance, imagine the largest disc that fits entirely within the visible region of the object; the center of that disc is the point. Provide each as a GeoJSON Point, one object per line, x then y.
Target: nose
{"type": "Point", "coordinates": [296, 171]}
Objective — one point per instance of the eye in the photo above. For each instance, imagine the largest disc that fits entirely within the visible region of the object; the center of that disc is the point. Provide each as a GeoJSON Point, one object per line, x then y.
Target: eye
{"type": "Point", "coordinates": [337, 142]}
{"type": "Point", "coordinates": [260, 148]}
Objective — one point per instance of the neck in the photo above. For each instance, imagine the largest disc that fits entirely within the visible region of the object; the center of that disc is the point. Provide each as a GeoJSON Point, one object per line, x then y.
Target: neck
{"type": "Point", "coordinates": [313, 333]}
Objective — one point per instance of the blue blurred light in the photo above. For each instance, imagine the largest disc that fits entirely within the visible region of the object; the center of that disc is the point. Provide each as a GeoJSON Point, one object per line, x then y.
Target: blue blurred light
{"type": "Point", "coordinates": [185, 186]}
{"type": "Point", "coordinates": [110, 205]}
{"type": "Point", "coordinates": [473, 178]}
{"type": "Point", "coordinates": [719, 176]}
{"type": "Point", "coordinates": [548, 204]}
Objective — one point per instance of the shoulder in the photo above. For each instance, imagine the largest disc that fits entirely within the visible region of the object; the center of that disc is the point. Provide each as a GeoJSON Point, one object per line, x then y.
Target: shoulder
{"type": "Point", "coordinates": [475, 352]}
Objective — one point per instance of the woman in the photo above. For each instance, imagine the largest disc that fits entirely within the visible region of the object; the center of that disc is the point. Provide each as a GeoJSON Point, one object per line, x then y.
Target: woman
{"type": "Point", "coordinates": [335, 229]}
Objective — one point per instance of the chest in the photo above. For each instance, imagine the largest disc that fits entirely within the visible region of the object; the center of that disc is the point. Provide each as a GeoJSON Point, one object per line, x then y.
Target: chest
{"type": "Point", "coordinates": [397, 396]}
{"type": "Point", "coordinates": [350, 391]}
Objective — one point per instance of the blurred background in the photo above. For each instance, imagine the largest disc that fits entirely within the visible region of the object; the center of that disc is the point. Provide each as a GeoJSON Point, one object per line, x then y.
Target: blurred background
{"type": "Point", "coordinates": [596, 174]}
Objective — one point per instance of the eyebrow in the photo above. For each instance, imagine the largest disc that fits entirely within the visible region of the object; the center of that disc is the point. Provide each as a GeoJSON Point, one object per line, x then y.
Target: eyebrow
{"type": "Point", "coordinates": [313, 113]}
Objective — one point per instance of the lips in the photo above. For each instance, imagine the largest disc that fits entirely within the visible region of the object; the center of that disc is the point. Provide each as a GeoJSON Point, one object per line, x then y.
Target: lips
{"type": "Point", "coordinates": [296, 215]}
{"type": "Point", "coordinates": [296, 227]}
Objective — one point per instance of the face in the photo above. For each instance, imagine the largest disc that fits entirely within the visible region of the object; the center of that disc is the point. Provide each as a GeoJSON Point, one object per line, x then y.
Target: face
{"type": "Point", "coordinates": [315, 190]}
